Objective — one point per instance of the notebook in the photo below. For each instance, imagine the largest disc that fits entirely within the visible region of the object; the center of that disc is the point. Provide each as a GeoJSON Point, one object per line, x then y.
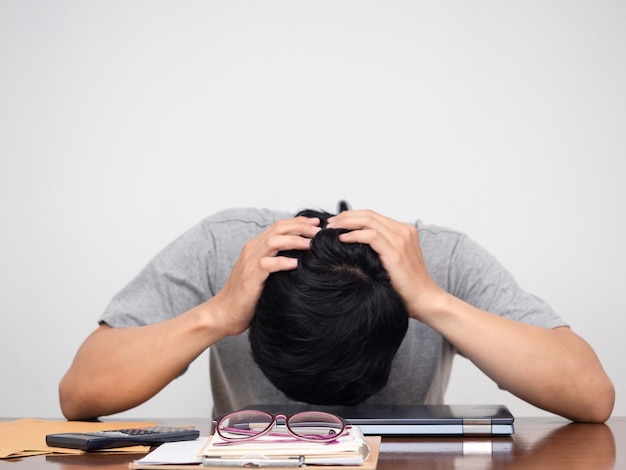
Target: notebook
{"type": "Point", "coordinates": [416, 420]}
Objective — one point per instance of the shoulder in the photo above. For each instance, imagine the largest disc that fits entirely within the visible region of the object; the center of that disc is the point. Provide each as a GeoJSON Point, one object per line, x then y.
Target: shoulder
{"type": "Point", "coordinates": [242, 221]}
{"type": "Point", "coordinates": [247, 215]}
{"type": "Point", "coordinates": [453, 258]}
{"type": "Point", "coordinates": [451, 243]}
{"type": "Point", "coordinates": [438, 240]}
{"type": "Point", "coordinates": [436, 231]}
{"type": "Point", "coordinates": [222, 233]}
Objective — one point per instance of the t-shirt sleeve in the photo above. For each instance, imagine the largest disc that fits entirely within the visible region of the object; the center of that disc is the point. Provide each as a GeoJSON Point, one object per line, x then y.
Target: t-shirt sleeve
{"type": "Point", "coordinates": [189, 271]}
{"type": "Point", "coordinates": [174, 281]}
{"type": "Point", "coordinates": [476, 277]}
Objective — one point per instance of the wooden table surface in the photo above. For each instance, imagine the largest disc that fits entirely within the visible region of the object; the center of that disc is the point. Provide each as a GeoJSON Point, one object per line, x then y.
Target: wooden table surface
{"type": "Point", "coordinates": [538, 443]}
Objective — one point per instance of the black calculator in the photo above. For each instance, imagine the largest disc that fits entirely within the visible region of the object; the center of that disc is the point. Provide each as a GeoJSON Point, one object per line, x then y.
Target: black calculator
{"type": "Point", "coordinates": [146, 436]}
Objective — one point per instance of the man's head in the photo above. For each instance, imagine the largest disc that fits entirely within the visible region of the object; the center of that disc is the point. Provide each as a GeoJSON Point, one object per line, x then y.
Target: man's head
{"type": "Point", "coordinates": [327, 332]}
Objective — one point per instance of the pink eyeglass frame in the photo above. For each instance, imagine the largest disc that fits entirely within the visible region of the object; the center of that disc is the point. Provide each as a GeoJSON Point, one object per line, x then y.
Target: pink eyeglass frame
{"type": "Point", "coordinates": [274, 420]}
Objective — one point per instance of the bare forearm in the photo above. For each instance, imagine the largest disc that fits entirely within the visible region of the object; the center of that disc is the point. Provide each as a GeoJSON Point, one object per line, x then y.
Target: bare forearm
{"type": "Point", "coordinates": [553, 369]}
{"type": "Point", "coordinates": [118, 368]}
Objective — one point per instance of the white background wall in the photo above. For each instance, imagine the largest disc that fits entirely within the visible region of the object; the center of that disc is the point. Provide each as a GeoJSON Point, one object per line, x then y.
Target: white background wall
{"type": "Point", "coordinates": [123, 123]}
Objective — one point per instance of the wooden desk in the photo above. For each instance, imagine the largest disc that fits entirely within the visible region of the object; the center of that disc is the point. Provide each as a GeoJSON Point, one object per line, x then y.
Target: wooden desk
{"type": "Point", "coordinates": [539, 443]}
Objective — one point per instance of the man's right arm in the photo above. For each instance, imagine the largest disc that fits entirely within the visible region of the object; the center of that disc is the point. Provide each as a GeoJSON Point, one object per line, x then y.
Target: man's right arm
{"type": "Point", "coordinates": [118, 368]}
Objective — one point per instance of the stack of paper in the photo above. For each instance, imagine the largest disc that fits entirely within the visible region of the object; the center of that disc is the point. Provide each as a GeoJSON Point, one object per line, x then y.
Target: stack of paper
{"type": "Point", "coordinates": [353, 452]}
{"type": "Point", "coordinates": [348, 449]}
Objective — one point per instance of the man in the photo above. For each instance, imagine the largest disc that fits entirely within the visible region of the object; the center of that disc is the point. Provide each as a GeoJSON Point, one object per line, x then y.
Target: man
{"type": "Point", "coordinates": [202, 291]}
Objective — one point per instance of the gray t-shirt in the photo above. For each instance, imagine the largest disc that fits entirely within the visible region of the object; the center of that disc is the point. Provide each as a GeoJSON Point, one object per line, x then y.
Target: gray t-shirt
{"type": "Point", "coordinates": [194, 268]}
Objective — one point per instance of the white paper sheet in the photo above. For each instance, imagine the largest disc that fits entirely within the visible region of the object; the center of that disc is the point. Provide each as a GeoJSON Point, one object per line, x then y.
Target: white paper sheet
{"type": "Point", "coordinates": [182, 452]}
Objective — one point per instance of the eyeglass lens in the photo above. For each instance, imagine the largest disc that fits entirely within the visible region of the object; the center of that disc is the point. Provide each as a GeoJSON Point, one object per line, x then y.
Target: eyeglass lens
{"type": "Point", "coordinates": [315, 425]}
{"type": "Point", "coordinates": [244, 424]}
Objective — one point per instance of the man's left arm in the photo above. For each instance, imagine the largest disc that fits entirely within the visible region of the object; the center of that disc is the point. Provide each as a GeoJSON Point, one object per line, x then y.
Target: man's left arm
{"type": "Point", "coordinates": [554, 369]}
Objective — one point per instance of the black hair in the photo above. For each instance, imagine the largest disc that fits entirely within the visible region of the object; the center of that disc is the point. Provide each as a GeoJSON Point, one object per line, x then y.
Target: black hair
{"type": "Point", "coordinates": [326, 333]}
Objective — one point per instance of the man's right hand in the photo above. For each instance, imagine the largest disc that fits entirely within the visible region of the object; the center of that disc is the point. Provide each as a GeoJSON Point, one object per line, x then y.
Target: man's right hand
{"type": "Point", "coordinates": [236, 302]}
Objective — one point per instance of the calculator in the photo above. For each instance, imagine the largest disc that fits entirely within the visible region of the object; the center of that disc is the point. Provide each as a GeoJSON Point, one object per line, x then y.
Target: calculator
{"type": "Point", "coordinates": [145, 436]}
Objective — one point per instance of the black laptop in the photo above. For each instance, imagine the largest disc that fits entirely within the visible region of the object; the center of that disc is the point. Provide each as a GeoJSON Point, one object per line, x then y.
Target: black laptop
{"type": "Point", "coordinates": [416, 420]}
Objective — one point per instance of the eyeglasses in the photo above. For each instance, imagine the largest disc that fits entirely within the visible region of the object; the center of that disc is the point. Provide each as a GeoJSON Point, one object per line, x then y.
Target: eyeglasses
{"type": "Point", "coordinates": [246, 425]}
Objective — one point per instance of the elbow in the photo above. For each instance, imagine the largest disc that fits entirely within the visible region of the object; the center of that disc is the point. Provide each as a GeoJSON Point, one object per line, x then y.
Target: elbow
{"type": "Point", "coordinates": [605, 403]}
{"type": "Point", "coordinates": [599, 405]}
{"type": "Point", "coordinates": [68, 403]}
{"type": "Point", "coordinates": [72, 405]}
